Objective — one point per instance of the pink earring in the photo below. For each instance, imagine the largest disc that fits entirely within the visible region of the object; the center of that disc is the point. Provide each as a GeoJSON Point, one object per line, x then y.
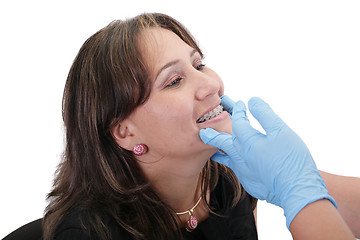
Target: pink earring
{"type": "Point", "coordinates": [140, 149]}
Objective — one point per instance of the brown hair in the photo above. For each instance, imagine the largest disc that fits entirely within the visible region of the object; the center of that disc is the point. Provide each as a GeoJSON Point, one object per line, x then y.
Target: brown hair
{"type": "Point", "coordinates": [106, 82]}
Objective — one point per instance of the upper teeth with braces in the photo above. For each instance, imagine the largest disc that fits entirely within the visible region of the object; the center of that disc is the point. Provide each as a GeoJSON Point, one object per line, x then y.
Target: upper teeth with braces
{"type": "Point", "coordinates": [213, 113]}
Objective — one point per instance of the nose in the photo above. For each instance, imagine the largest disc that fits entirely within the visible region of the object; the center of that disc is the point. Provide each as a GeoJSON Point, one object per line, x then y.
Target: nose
{"type": "Point", "coordinates": [206, 85]}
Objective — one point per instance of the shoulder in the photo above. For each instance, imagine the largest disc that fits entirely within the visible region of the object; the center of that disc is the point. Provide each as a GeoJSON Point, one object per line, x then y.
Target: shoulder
{"type": "Point", "coordinates": [72, 234]}
{"type": "Point", "coordinates": [237, 222]}
{"type": "Point", "coordinates": [224, 196]}
{"type": "Point", "coordinates": [226, 221]}
{"type": "Point", "coordinates": [76, 225]}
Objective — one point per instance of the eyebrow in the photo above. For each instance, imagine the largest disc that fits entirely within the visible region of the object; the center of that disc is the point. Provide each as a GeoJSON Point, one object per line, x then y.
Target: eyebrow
{"type": "Point", "coordinates": [171, 63]}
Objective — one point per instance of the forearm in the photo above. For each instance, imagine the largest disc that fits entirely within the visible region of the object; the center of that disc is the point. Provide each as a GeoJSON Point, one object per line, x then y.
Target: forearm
{"type": "Point", "coordinates": [320, 220]}
{"type": "Point", "coordinates": [346, 192]}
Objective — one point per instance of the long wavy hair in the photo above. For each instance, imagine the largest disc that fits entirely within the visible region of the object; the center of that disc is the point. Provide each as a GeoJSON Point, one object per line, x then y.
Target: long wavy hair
{"type": "Point", "coordinates": [107, 81]}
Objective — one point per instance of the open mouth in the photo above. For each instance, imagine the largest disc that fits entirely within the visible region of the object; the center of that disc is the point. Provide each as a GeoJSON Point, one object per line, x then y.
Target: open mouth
{"type": "Point", "coordinates": [213, 113]}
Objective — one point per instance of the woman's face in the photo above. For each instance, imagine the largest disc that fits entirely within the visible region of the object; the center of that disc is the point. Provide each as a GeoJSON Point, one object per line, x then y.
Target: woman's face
{"type": "Point", "coordinates": [183, 91]}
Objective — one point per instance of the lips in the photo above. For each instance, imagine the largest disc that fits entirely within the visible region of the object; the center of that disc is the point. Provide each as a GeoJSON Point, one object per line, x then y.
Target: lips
{"type": "Point", "coordinates": [212, 114]}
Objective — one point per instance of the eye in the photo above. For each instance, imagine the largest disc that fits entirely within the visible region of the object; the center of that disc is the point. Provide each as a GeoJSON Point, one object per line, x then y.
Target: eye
{"type": "Point", "coordinates": [175, 82]}
{"type": "Point", "coordinates": [200, 67]}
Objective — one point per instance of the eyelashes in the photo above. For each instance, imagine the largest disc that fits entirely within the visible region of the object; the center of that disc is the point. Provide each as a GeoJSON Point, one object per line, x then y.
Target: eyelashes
{"type": "Point", "coordinates": [177, 80]}
{"type": "Point", "coordinates": [200, 67]}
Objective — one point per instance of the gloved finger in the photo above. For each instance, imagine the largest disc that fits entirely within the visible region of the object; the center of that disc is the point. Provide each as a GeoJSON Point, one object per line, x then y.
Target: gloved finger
{"type": "Point", "coordinates": [263, 113]}
{"type": "Point", "coordinates": [221, 141]}
{"type": "Point", "coordinates": [239, 109]}
{"type": "Point", "coordinates": [227, 103]}
{"type": "Point", "coordinates": [241, 127]}
{"type": "Point", "coordinates": [221, 158]}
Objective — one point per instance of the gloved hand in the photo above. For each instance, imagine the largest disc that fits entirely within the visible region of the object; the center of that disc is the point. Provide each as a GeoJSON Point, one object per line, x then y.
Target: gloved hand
{"type": "Point", "coordinates": [276, 167]}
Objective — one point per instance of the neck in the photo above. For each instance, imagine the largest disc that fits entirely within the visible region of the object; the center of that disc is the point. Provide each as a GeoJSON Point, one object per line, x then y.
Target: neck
{"type": "Point", "coordinates": [180, 193]}
{"type": "Point", "coordinates": [183, 195]}
{"type": "Point", "coordinates": [176, 181]}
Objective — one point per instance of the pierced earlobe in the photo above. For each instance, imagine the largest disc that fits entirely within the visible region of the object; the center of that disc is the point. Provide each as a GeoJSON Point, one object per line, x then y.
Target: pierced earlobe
{"type": "Point", "coordinates": [140, 149]}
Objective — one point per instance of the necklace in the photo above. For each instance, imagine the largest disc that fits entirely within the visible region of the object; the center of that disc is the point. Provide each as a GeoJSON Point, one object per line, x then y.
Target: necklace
{"type": "Point", "coordinates": [192, 222]}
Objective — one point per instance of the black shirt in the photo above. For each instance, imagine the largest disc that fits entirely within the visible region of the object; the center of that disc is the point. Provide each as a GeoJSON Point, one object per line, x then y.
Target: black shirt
{"type": "Point", "coordinates": [238, 223]}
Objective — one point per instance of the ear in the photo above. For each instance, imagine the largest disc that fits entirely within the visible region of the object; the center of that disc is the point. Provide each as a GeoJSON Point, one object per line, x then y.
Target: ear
{"type": "Point", "coordinates": [123, 136]}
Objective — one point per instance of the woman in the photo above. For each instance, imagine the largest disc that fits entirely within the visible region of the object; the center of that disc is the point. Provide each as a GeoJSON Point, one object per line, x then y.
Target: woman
{"type": "Point", "coordinates": [120, 93]}
{"type": "Point", "coordinates": [134, 166]}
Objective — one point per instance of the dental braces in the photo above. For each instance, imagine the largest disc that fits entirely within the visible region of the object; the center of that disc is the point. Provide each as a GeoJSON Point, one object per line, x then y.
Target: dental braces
{"type": "Point", "coordinates": [213, 113]}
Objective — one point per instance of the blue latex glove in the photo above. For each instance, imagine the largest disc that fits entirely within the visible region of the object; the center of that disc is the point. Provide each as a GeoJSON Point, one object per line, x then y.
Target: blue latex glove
{"type": "Point", "coordinates": [276, 167]}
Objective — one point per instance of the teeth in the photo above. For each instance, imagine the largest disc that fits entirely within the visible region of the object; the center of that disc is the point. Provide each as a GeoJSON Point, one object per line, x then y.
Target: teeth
{"type": "Point", "coordinates": [213, 113]}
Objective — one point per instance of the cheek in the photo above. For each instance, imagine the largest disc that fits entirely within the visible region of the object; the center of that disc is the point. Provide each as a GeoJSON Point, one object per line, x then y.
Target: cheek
{"type": "Point", "coordinates": [167, 119]}
{"type": "Point", "coordinates": [169, 132]}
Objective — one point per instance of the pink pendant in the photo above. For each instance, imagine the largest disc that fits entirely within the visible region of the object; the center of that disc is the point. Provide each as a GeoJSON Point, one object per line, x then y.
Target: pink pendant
{"type": "Point", "coordinates": [192, 223]}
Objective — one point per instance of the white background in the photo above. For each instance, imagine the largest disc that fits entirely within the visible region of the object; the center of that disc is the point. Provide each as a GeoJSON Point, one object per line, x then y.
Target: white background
{"type": "Point", "coordinates": [302, 57]}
